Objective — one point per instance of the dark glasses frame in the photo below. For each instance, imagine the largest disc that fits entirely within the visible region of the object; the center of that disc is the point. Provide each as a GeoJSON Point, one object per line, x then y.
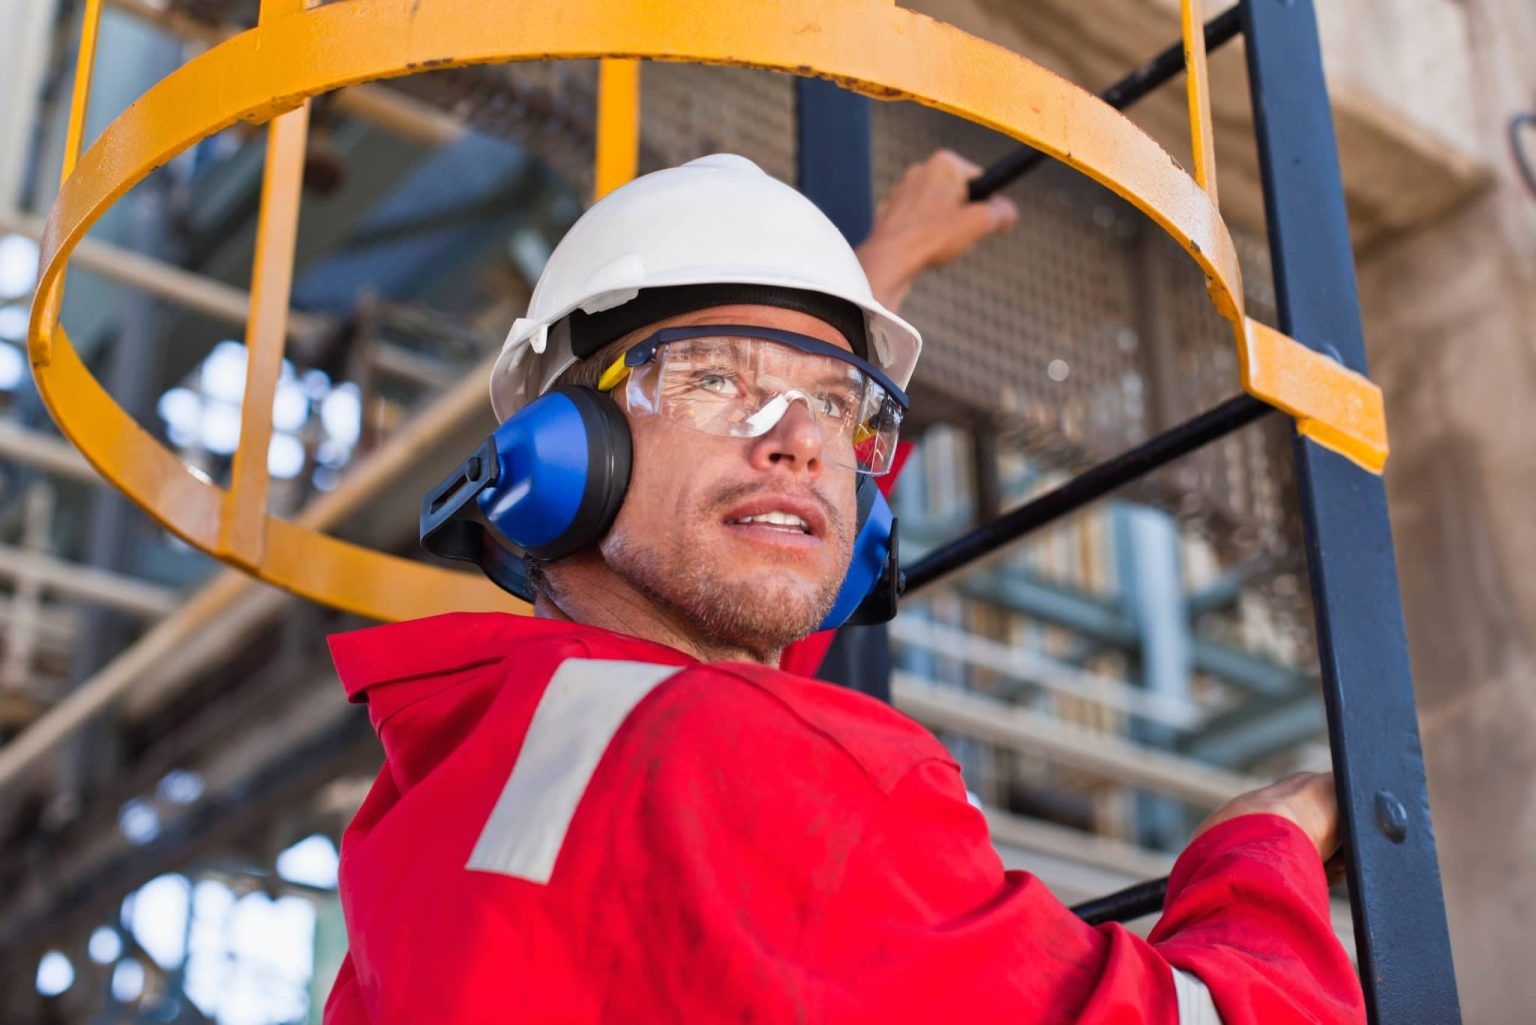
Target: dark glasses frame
{"type": "Point", "coordinates": [644, 351]}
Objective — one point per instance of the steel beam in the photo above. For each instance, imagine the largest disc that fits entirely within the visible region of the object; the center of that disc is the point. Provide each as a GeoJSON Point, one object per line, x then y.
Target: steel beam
{"type": "Point", "coordinates": [1258, 730]}
{"type": "Point", "coordinates": [1096, 620]}
{"type": "Point", "coordinates": [1175, 712]}
{"type": "Point", "coordinates": [1248, 671]}
{"type": "Point", "coordinates": [1122, 860]}
{"type": "Point", "coordinates": [186, 289]}
{"type": "Point", "coordinates": [1036, 734]}
{"type": "Point", "coordinates": [1404, 946]}
{"type": "Point", "coordinates": [46, 452]}
{"type": "Point", "coordinates": [1226, 589]}
{"type": "Point", "coordinates": [833, 156]}
{"type": "Point", "coordinates": [88, 583]}
{"type": "Point", "coordinates": [232, 605]}
{"type": "Point", "coordinates": [1147, 565]}
{"type": "Point", "coordinates": [401, 115]}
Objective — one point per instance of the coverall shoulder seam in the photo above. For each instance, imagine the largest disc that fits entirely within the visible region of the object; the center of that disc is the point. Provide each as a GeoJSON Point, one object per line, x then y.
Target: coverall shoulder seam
{"type": "Point", "coordinates": [788, 707]}
{"type": "Point", "coordinates": [448, 685]}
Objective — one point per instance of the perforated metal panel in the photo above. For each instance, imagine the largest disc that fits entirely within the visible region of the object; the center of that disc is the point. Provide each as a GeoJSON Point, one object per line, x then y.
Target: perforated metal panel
{"type": "Point", "coordinates": [1037, 328]}
{"type": "Point", "coordinates": [687, 110]}
{"type": "Point", "coordinates": [1083, 332]}
{"type": "Point", "coordinates": [546, 106]}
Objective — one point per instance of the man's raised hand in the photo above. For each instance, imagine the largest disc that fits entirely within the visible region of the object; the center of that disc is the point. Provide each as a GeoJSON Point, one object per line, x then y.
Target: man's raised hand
{"type": "Point", "coordinates": [927, 220]}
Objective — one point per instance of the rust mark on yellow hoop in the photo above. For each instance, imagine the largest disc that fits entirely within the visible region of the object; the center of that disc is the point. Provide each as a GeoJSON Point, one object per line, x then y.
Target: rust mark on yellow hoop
{"type": "Point", "coordinates": [270, 112]}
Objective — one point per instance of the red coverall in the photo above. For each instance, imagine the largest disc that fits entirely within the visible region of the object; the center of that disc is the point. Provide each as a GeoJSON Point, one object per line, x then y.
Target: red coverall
{"type": "Point", "coordinates": [573, 825]}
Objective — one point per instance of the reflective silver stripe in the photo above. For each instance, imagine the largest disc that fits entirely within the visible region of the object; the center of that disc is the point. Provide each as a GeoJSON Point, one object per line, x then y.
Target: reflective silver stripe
{"type": "Point", "coordinates": [586, 702]}
{"type": "Point", "coordinates": [1195, 1004]}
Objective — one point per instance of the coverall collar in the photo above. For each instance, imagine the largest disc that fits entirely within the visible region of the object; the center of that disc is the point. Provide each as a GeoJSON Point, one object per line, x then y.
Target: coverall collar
{"type": "Point", "coordinates": [440, 644]}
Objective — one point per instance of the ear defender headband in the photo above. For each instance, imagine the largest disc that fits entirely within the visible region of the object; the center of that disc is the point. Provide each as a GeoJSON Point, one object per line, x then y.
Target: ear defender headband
{"type": "Point", "coordinates": [552, 479]}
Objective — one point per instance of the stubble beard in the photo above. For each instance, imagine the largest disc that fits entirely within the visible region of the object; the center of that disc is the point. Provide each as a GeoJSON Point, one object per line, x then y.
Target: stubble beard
{"type": "Point", "coordinates": [760, 616]}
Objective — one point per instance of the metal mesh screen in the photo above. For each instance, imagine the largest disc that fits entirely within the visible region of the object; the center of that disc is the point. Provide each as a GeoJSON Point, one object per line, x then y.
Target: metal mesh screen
{"type": "Point", "coordinates": [1086, 330]}
{"type": "Point", "coordinates": [687, 110]}
{"type": "Point", "coordinates": [1036, 329]}
{"type": "Point", "coordinates": [546, 106]}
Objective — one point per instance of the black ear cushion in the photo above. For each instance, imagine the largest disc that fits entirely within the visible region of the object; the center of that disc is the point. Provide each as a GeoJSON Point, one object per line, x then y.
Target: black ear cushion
{"type": "Point", "coordinates": [864, 495]}
{"type": "Point", "coordinates": [610, 452]}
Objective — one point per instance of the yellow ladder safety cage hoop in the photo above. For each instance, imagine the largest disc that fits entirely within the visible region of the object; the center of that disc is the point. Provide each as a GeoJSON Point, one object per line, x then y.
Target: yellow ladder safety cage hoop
{"type": "Point", "coordinates": [267, 74]}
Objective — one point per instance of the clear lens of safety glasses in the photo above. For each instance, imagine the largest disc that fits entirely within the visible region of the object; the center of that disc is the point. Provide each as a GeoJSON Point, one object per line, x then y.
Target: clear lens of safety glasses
{"type": "Point", "coordinates": [741, 386]}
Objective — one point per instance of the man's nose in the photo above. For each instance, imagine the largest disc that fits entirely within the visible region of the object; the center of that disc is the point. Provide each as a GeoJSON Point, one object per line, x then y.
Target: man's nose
{"type": "Point", "coordinates": [794, 443]}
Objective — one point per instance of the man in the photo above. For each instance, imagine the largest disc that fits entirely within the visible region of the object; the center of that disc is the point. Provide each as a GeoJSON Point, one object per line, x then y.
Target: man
{"type": "Point", "coordinates": [620, 810]}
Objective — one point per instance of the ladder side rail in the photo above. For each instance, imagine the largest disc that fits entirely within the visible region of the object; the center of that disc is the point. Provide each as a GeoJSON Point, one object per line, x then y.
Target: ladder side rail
{"type": "Point", "coordinates": [1395, 896]}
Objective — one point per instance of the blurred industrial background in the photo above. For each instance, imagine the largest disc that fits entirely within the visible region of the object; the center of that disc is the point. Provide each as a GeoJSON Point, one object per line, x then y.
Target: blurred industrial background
{"type": "Point", "coordinates": [1104, 683]}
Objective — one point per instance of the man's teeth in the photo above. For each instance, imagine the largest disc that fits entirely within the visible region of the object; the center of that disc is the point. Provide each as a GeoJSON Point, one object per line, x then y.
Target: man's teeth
{"type": "Point", "coordinates": [784, 520]}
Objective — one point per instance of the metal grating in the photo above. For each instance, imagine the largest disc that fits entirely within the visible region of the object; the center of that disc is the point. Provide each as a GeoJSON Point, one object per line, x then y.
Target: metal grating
{"type": "Point", "coordinates": [1086, 330]}
{"type": "Point", "coordinates": [547, 106]}
{"type": "Point", "coordinates": [1036, 330]}
{"type": "Point", "coordinates": [688, 110]}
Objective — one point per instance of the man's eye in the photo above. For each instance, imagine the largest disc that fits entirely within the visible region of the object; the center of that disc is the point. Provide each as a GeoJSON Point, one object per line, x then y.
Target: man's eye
{"type": "Point", "coordinates": [834, 405]}
{"type": "Point", "coordinates": [716, 383]}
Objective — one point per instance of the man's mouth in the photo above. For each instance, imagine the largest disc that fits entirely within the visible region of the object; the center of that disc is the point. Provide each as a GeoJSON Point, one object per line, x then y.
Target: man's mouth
{"type": "Point", "coordinates": [790, 516]}
{"type": "Point", "coordinates": [788, 522]}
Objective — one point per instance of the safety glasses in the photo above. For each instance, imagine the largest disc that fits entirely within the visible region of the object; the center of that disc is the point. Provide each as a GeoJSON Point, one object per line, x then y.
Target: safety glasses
{"type": "Point", "coordinates": [738, 381]}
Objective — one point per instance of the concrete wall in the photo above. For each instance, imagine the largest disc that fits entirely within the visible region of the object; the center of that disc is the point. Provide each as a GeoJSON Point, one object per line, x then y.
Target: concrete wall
{"type": "Point", "coordinates": [1413, 57]}
{"type": "Point", "coordinates": [1450, 318]}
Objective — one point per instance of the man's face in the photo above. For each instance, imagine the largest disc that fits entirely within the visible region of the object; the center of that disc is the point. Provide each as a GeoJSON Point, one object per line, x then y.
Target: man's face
{"type": "Point", "coordinates": [680, 538]}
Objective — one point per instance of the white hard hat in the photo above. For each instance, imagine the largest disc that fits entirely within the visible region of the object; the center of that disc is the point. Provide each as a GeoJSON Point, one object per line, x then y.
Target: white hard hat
{"type": "Point", "coordinates": [718, 220]}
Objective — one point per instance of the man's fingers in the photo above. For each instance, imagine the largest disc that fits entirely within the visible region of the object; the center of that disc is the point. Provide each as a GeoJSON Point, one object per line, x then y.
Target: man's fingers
{"type": "Point", "coordinates": [968, 169]}
{"type": "Point", "coordinates": [988, 217]}
{"type": "Point", "coordinates": [1005, 213]}
{"type": "Point", "coordinates": [927, 220]}
{"type": "Point", "coordinates": [1305, 798]}
{"type": "Point", "coordinates": [969, 225]}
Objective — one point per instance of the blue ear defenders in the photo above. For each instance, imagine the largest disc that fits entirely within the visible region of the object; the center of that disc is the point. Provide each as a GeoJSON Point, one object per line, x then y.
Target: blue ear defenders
{"type": "Point", "coordinates": [552, 478]}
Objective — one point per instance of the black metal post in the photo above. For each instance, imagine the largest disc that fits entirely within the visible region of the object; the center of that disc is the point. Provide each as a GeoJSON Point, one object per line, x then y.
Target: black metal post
{"type": "Point", "coordinates": [1399, 912]}
{"type": "Point", "coordinates": [1518, 124]}
{"type": "Point", "coordinates": [833, 154]}
{"type": "Point", "coordinates": [1218, 32]}
{"type": "Point", "coordinates": [1124, 905]}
